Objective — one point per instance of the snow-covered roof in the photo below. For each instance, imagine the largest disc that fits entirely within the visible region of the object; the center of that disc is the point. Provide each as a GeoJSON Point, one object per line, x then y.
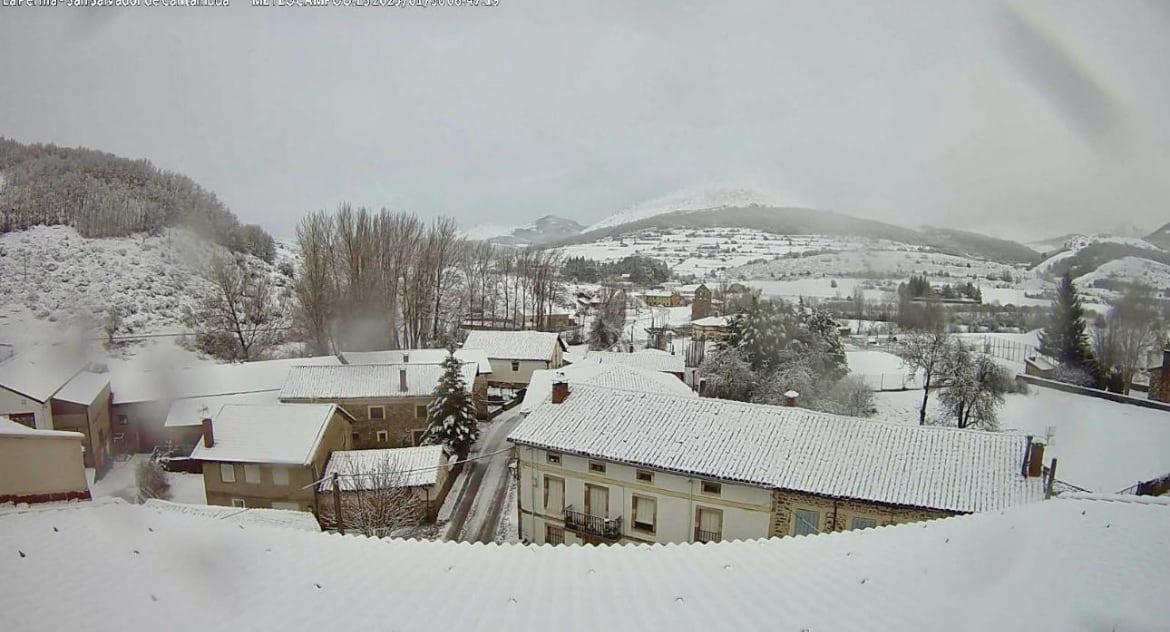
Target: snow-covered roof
{"type": "Point", "coordinates": [83, 388]}
{"type": "Point", "coordinates": [789, 448]}
{"type": "Point", "coordinates": [384, 469]}
{"type": "Point", "coordinates": [191, 412]}
{"type": "Point", "coordinates": [659, 293]}
{"type": "Point", "coordinates": [712, 321]}
{"type": "Point", "coordinates": [651, 359]}
{"type": "Point", "coordinates": [9, 428]}
{"type": "Point", "coordinates": [514, 345]}
{"type": "Point", "coordinates": [417, 356]}
{"type": "Point", "coordinates": [206, 381]}
{"type": "Point", "coordinates": [367, 381]}
{"type": "Point", "coordinates": [1041, 362]}
{"type": "Point", "coordinates": [605, 375]}
{"type": "Point", "coordinates": [1064, 564]}
{"type": "Point", "coordinates": [41, 372]}
{"type": "Point", "coordinates": [281, 518]}
{"type": "Point", "coordinates": [280, 433]}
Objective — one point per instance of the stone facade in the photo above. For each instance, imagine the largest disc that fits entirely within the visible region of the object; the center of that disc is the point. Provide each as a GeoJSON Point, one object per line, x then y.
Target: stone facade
{"type": "Point", "coordinates": [838, 514]}
{"type": "Point", "coordinates": [1160, 379]}
{"type": "Point", "coordinates": [701, 304]}
{"type": "Point", "coordinates": [404, 420]}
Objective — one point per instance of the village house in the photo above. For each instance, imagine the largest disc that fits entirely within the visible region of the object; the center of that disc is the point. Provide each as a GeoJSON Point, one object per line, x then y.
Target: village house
{"type": "Point", "coordinates": [662, 298]}
{"type": "Point", "coordinates": [1160, 379]}
{"type": "Point", "coordinates": [608, 466]}
{"type": "Point", "coordinates": [603, 375]}
{"type": "Point", "coordinates": [483, 365]}
{"type": "Point", "coordinates": [710, 328]}
{"type": "Point", "coordinates": [413, 479]}
{"type": "Point", "coordinates": [648, 359]}
{"type": "Point", "coordinates": [38, 466]}
{"type": "Point", "coordinates": [270, 456]}
{"type": "Point", "coordinates": [387, 402]}
{"type": "Point", "coordinates": [142, 400]}
{"type": "Point", "coordinates": [516, 354]}
{"type": "Point", "coordinates": [49, 388]}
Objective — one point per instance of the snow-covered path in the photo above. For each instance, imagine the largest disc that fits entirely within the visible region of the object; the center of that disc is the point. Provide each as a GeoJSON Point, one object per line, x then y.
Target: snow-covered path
{"type": "Point", "coordinates": [477, 515]}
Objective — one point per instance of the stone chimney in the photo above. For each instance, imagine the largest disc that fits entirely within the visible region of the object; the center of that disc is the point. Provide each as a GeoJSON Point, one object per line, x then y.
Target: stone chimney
{"type": "Point", "coordinates": [1035, 459]}
{"type": "Point", "coordinates": [208, 433]}
{"type": "Point", "coordinates": [560, 388]}
{"type": "Point", "coordinates": [402, 379]}
{"type": "Point", "coordinates": [405, 357]}
{"type": "Point", "coordinates": [790, 398]}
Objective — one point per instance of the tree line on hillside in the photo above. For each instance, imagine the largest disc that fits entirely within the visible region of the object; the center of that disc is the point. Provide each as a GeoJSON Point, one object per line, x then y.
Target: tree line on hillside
{"type": "Point", "coordinates": [102, 195]}
{"type": "Point", "coordinates": [641, 270]}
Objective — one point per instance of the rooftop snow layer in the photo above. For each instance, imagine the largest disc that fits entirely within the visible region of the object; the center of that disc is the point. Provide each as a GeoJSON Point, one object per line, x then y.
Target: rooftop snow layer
{"type": "Point", "coordinates": [789, 448]}
{"type": "Point", "coordinates": [606, 375]}
{"type": "Point", "coordinates": [417, 356]}
{"type": "Point", "coordinates": [650, 359]}
{"type": "Point", "coordinates": [38, 374]}
{"type": "Point", "coordinates": [367, 381]}
{"type": "Point", "coordinates": [253, 516]}
{"type": "Point", "coordinates": [514, 345]}
{"type": "Point", "coordinates": [384, 469]}
{"type": "Point", "coordinates": [208, 381]}
{"type": "Point", "coordinates": [192, 411]}
{"type": "Point", "coordinates": [84, 388]}
{"type": "Point", "coordinates": [280, 433]}
{"type": "Point", "coordinates": [712, 321]}
{"type": "Point", "coordinates": [9, 428]}
{"type": "Point", "coordinates": [1064, 564]}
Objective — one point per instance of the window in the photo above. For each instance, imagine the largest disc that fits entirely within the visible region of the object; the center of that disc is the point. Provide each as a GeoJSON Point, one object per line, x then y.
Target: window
{"type": "Point", "coordinates": [25, 419]}
{"type": "Point", "coordinates": [863, 523]}
{"type": "Point", "coordinates": [123, 420]}
{"type": "Point", "coordinates": [515, 365]}
{"type": "Point", "coordinates": [416, 436]}
{"type": "Point", "coordinates": [805, 522]}
{"type": "Point", "coordinates": [645, 477]}
{"type": "Point", "coordinates": [252, 474]}
{"type": "Point", "coordinates": [597, 500]}
{"type": "Point", "coordinates": [355, 437]}
{"type": "Point", "coordinates": [383, 436]}
{"type": "Point", "coordinates": [227, 472]}
{"type": "Point", "coordinates": [238, 502]}
{"type": "Point", "coordinates": [420, 412]}
{"type": "Point", "coordinates": [555, 459]}
{"type": "Point", "coordinates": [279, 476]}
{"type": "Point", "coordinates": [554, 534]}
{"type": "Point", "coordinates": [376, 412]}
{"type": "Point", "coordinates": [712, 488]}
{"type": "Point", "coordinates": [554, 495]}
{"type": "Point", "coordinates": [708, 525]}
{"type": "Point", "coordinates": [645, 513]}
{"type": "Point", "coordinates": [594, 466]}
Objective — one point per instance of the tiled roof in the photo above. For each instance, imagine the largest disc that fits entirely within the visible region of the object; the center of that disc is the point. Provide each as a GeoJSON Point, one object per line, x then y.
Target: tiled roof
{"type": "Point", "coordinates": [384, 469]}
{"type": "Point", "coordinates": [191, 412]}
{"type": "Point", "coordinates": [208, 381]}
{"type": "Point", "coordinates": [281, 433]}
{"type": "Point", "coordinates": [283, 518]}
{"type": "Point", "coordinates": [366, 381]}
{"type": "Point", "coordinates": [514, 345]}
{"type": "Point", "coordinates": [83, 388]}
{"type": "Point", "coordinates": [605, 375]}
{"type": "Point", "coordinates": [1055, 565]}
{"type": "Point", "coordinates": [652, 359]}
{"type": "Point", "coordinates": [789, 448]}
{"type": "Point", "coordinates": [41, 372]}
{"type": "Point", "coordinates": [417, 356]}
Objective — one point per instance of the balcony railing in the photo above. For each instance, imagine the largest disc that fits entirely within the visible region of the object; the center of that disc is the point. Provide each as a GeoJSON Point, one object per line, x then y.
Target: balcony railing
{"type": "Point", "coordinates": [590, 524]}
{"type": "Point", "coordinates": [707, 536]}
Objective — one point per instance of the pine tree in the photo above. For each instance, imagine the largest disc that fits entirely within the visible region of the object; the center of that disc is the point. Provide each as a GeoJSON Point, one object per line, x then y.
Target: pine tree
{"type": "Point", "coordinates": [451, 414]}
{"type": "Point", "coordinates": [1064, 339]}
{"type": "Point", "coordinates": [602, 335]}
{"type": "Point", "coordinates": [762, 334]}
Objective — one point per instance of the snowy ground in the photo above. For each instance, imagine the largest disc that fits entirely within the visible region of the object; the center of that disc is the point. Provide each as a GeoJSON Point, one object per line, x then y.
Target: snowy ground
{"type": "Point", "coordinates": [882, 371]}
{"type": "Point", "coordinates": [119, 482]}
{"type": "Point", "coordinates": [1102, 446]}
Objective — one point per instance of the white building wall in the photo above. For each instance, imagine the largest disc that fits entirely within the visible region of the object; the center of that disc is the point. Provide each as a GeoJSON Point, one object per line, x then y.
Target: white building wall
{"type": "Point", "coordinates": [11, 402]}
{"type": "Point", "coordinates": [746, 509]}
{"type": "Point", "coordinates": [502, 372]}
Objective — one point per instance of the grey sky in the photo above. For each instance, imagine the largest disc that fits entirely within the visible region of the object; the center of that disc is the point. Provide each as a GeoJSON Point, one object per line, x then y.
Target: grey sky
{"type": "Point", "coordinates": [1025, 119]}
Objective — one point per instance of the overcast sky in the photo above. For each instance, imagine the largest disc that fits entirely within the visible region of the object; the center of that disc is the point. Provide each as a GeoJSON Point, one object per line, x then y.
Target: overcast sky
{"type": "Point", "coordinates": [1021, 119]}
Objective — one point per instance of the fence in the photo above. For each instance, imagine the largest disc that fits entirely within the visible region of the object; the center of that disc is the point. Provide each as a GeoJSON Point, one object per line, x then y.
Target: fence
{"type": "Point", "coordinates": [890, 381]}
{"type": "Point", "coordinates": [1092, 392]}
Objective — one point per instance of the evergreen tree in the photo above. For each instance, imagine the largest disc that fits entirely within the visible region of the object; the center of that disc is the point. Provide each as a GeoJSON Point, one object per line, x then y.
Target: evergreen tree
{"type": "Point", "coordinates": [1064, 339]}
{"type": "Point", "coordinates": [762, 334]}
{"type": "Point", "coordinates": [602, 335]}
{"type": "Point", "coordinates": [451, 414]}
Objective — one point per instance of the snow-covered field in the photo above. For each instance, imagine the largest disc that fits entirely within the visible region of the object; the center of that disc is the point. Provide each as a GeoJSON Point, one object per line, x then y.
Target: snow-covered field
{"type": "Point", "coordinates": [882, 371]}
{"type": "Point", "coordinates": [1102, 446]}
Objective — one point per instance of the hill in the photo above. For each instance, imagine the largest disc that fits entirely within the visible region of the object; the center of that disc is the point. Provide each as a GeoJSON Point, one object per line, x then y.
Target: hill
{"type": "Point", "coordinates": [1160, 237]}
{"type": "Point", "coordinates": [545, 230]}
{"type": "Point", "coordinates": [103, 195]}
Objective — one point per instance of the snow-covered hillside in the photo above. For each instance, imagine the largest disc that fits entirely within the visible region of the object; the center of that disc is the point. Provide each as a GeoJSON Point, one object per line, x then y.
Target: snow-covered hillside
{"type": "Point", "coordinates": [54, 280]}
{"type": "Point", "coordinates": [1128, 270]}
{"type": "Point", "coordinates": [544, 230]}
{"type": "Point", "coordinates": [697, 198]}
{"type": "Point", "coordinates": [1077, 243]}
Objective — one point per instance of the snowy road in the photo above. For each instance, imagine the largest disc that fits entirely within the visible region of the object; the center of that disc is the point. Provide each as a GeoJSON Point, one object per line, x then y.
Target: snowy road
{"type": "Point", "coordinates": [481, 504]}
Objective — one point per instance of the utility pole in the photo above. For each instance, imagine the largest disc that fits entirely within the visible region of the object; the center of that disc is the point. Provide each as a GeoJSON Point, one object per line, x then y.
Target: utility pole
{"type": "Point", "coordinates": [337, 505]}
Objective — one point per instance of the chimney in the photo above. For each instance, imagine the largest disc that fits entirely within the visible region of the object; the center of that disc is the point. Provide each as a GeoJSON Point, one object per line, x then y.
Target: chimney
{"type": "Point", "coordinates": [208, 433]}
{"type": "Point", "coordinates": [631, 347]}
{"type": "Point", "coordinates": [402, 379]}
{"type": "Point", "coordinates": [1035, 459]}
{"type": "Point", "coordinates": [790, 398]}
{"type": "Point", "coordinates": [560, 388]}
{"type": "Point", "coordinates": [405, 357]}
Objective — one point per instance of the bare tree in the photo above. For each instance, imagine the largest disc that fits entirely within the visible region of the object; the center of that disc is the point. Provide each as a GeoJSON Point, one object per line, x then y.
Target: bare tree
{"type": "Point", "coordinates": [315, 287]}
{"type": "Point", "coordinates": [976, 388]}
{"type": "Point", "coordinates": [1122, 339]}
{"type": "Point", "coordinates": [241, 318]}
{"type": "Point", "coordinates": [376, 499]}
{"type": "Point", "coordinates": [926, 351]}
{"type": "Point", "coordinates": [151, 481]}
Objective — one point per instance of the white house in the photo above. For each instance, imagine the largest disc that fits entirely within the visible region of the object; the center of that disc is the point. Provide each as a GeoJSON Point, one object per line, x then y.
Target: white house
{"type": "Point", "coordinates": [605, 375]}
{"type": "Point", "coordinates": [648, 359]}
{"type": "Point", "coordinates": [608, 465]}
{"type": "Point", "coordinates": [514, 355]}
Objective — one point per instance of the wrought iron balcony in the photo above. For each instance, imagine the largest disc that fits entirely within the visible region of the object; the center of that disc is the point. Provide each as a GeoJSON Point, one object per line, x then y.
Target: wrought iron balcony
{"type": "Point", "coordinates": [581, 522]}
{"type": "Point", "coordinates": [707, 536]}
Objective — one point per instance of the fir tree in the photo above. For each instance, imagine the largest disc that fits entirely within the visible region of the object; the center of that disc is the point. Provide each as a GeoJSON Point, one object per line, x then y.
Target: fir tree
{"type": "Point", "coordinates": [451, 414]}
{"type": "Point", "coordinates": [762, 334]}
{"type": "Point", "coordinates": [1064, 338]}
{"type": "Point", "coordinates": [602, 335]}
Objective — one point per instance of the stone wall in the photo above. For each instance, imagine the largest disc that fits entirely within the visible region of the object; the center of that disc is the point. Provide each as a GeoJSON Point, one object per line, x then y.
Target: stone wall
{"type": "Point", "coordinates": [837, 514]}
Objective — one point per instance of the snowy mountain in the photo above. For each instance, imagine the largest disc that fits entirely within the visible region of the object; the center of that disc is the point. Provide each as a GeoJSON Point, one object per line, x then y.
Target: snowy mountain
{"type": "Point", "coordinates": [1083, 254]}
{"type": "Point", "coordinates": [1114, 274]}
{"type": "Point", "coordinates": [545, 230]}
{"type": "Point", "coordinates": [696, 198]}
{"type": "Point", "coordinates": [1160, 237]}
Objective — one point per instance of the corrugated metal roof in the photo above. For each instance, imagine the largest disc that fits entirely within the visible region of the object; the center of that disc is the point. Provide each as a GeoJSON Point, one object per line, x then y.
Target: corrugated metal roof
{"type": "Point", "coordinates": [604, 375]}
{"type": "Point", "coordinates": [417, 356]}
{"type": "Point", "coordinates": [279, 433]}
{"type": "Point", "coordinates": [514, 345]}
{"type": "Point", "coordinates": [271, 518]}
{"type": "Point", "coordinates": [1053, 565]}
{"type": "Point", "coordinates": [384, 469]}
{"type": "Point", "coordinates": [789, 448]}
{"type": "Point", "coordinates": [652, 359]}
{"type": "Point", "coordinates": [366, 381]}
